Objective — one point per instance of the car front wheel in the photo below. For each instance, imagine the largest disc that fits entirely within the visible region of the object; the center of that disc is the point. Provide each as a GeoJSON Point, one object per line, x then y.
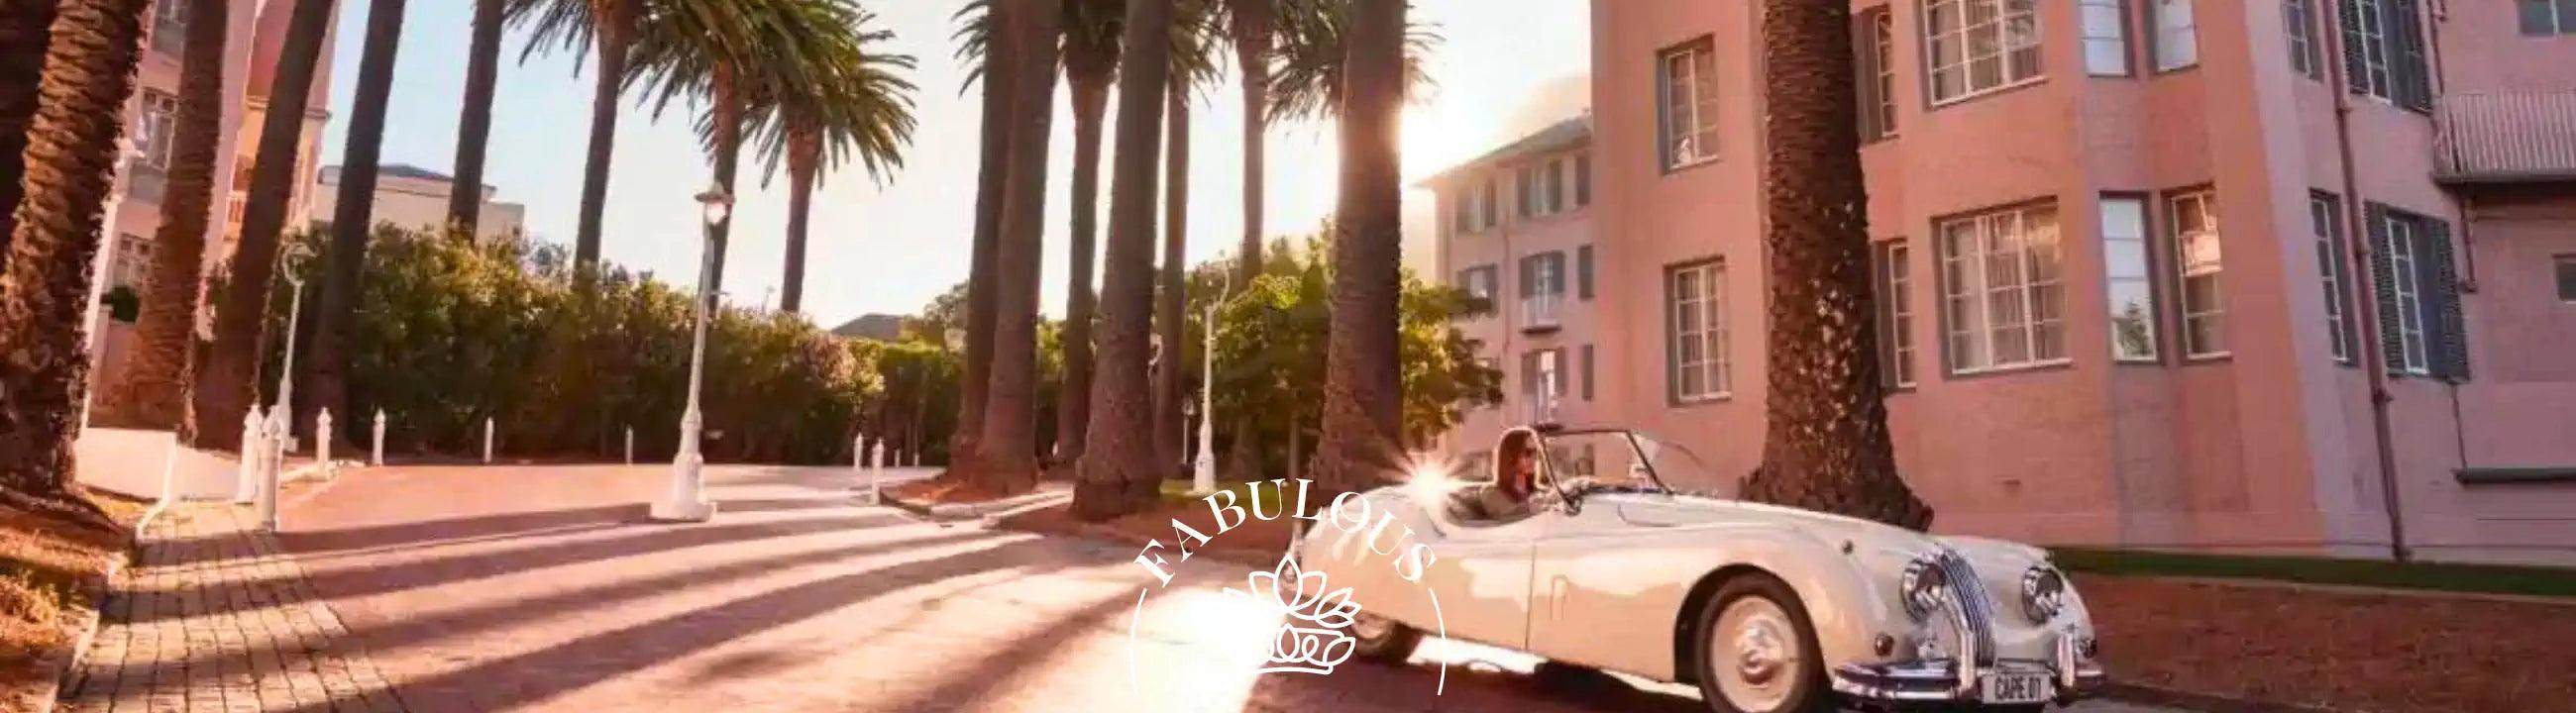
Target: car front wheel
{"type": "Point", "coordinates": [1758, 651]}
{"type": "Point", "coordinates": [1384, 639]}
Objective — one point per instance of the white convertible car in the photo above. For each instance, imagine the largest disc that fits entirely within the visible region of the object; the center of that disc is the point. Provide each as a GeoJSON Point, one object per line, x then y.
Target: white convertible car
{"type": "Point", "coordinates": [1583, 556]}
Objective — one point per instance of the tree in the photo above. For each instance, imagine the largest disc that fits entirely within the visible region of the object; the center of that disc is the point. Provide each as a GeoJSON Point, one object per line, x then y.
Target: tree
{"type": "Point", "coordinates": [1248, 26]}
{"type": "Point", "coordinates": [1363, 388]}
{"type": "Point", "coordinates": [70, 158]}
{"type": "Point", "coordinates": [858, 104]}
{"type": "Point", "coordinates": [1090, 64]}
{"type": "Point", "coordinates": [1826, 447]}
{"type": "Point", "coordinates": [609, 27]}
{"type": "Point", "coordinates": [1117, 473]}
{"type": "Point", "coordinates": [984, 36]}
{"type": "Point", "coordinates": [224, 389]}
{"type": "Point", "coordinates": [23, 30]}
{"type": "Point", "coordinates": [151, 392]}
{"type": "Point", "coordinates": [352, 222]}
{"type": "Point", "coordinates": [1005, 456]}
{"type": "Point", "coordinates": [474, 123]}
{"type": "Point", "coordinates": [1193, 64]}
{"type": "Point", "coordinates": [1306, 80]}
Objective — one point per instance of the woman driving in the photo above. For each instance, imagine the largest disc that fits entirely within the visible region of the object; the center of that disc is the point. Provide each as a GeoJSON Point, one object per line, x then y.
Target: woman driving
{"type": "Point", "coordinates": [1506, 499]}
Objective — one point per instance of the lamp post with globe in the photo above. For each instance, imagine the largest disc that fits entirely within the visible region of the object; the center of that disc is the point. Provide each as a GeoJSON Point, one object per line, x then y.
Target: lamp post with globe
{"type": "Point", "coordinates": [687, 501]}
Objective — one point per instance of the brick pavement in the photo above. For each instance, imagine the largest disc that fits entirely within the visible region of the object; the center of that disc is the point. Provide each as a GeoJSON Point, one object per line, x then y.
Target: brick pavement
{"type": "Point", "coordinates": [214, 618]}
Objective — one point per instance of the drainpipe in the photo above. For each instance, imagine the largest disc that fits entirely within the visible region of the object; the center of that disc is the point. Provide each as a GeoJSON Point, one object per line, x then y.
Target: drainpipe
{"type": "Point", "coordinates": [2373, 359]}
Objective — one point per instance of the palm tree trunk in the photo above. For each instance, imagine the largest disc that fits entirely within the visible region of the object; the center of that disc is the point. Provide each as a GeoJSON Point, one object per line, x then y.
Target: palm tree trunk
{"type": "Point", "coordinates": [352, 223]}
{"type": "Point", "coordinates": [1252, 23]}
{"type": "Point", "coordinates": [224, 389]}
{"type": "Point", "coordinates": [1361, 445]}
{"type": "Point", "coordinates": [991, 175]}
{"type": "Point", "coordinates": [70, 160]}
{"type": "Point", "coordinates": [1006, 456]}
{"type": "Point", "coordinates": [726, 103]}
{"type": "Point", "coordinates": [804, 151]}
{"type": "Point", "coordinates": [1826, 447]}
{"type": "Point", "coordinates": [1073, 404]}
{"type": "Point", "coordinates": [150, 392]}
{"type": "Point", "coordinates": [1168, 298]}
{"type": "Point", "coordinates": [1118, 442]}
{"type": "Point", "coordinates": [616, 30]}
{"type": "Point", "coordinates": [474, 124]}
{"type": "Point", "coordinates": [23, 28]}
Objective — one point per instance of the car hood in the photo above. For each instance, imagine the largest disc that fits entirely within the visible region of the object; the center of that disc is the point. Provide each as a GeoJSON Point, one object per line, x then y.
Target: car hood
{"type": "Point", "coordinates": [1687, 511]}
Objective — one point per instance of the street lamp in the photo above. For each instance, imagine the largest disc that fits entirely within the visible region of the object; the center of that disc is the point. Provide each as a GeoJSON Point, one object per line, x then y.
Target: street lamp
{"type": "Point", "coordinates": [687, 501]}
{"type": "Point", "coordinates": [1203, 469]}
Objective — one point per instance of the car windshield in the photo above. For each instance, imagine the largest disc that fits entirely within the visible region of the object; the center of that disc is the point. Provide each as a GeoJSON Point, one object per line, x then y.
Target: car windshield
{"type": "Point", "coordinates": [1622, 460]}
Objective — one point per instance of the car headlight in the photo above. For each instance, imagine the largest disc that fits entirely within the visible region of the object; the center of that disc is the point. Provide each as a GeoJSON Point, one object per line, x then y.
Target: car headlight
{"type": "Point", "coordinates": [2043, 593]}
{"type": "Point", "coordinates": [1923, 589]}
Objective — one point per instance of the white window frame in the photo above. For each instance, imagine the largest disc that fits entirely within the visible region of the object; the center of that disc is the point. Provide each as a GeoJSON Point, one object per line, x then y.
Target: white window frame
{"type": "Point", "coordinates": [2562, 15]}
{"type": "Point", "coordinates": [2177, 35]}
{"type": "Point", "coordinates": [2126, 238]}
{"type": "Point", "coordinates": [2405, 238]}
{"type": "Point", "coordinates": [1710, 332]}
{"type": "Point", "coordinates": [2299, 26]}
{"type": "Point", "coordinates": [2325, 224]}
{"type": "Point", "coordinates": [2026, 238]}
{"type": "Point", "coordinates": [2199, 258]}
{"type": "Point", "coordinates": [2016, 54]}
{"type": "Point", "coordinates": [1687, 140]}
{"type": "Point", "coordinates": [1896, 307]}
{"type": "Point", "coordinates": [1544, 386]}
{"type": "Point", "coordinates": [1485, 277]}
{"type": "Point", "coordinates": [2379, 78]}
{"type": "Point", "coordinates": [157, 118]}
{"type": "Point", "coordinates": [1881, 69]}
{"type": "Point", "coordinates": [2096, 37]}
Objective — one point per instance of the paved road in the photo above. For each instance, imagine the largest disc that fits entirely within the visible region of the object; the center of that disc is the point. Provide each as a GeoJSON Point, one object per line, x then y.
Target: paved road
{"type": "Point", "coordinates": [521, 588]}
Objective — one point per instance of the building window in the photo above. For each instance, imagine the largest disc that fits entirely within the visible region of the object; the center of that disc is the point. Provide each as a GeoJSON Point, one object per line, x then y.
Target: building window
{"type": "Point", "coordinates": [2003, 301]}
{"type": "Point", "coordinates": [1980, 46]}
{"type": "Point", "coordinates": [1478, 281]}
{"type": "Point", "coordinates": [1556, 169]}
{"type": "Point", "coordinates": [1543, 288]}
{"type": "Point", "coordinates": [2198, 265]}
{"type": "Point", "coordinates": [2177, 36]}
{"type": "Point", "coordinates": [152, 130]}
{"type": "Point", "coordinates": [2548, 17]}
{"type": "Point", "coordinates": [1876, 60]}
{"type": "Point", "coordinates": [2566, 277]}
{"type": "Point", "coordinates": [1583, 272]}
{"type": "Point", "coordinates": [1687, 103]}
{"type": "Point", "coordinates": [1896, 313]}
{"type": "Point", "coordinates": [1490, 207]}
{"type": "Point", "coordinates": [1525, 191]}
{"type": "Point", "coordinates": [170, 26]}
{"type": "Point", "coordinates": [2325, 223]}
{"type": "Point", "coordinates": [1582, 180]}
{"type": "Point", "coordinates": [2384, 51]}
{"type": "Point", "coordinates": [1543, 383]}
{"type": "Point", "coordinates": [2422, 331]}
{"type": "Point", "coordinates": [1462, 211]}
{"type": "Point", "coordinates": [1695, 296]}
{"type": "Point", "coordinates": [2299, 24]}
{"type": "Point", "coordinates": [2106, 37]}
{"type": "Point", "coordinates": [2128, 275]}
{"type": "Point", "coordinates": [133, 262]}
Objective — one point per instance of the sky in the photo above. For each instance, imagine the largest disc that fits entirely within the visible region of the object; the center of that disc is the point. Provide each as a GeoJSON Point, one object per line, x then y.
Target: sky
{"type": "Point", "coordinates": [891, 243]}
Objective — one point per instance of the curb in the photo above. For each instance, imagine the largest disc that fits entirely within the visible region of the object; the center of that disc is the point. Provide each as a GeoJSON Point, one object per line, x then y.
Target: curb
{"type": "Point", "coordinates": [49, 694]}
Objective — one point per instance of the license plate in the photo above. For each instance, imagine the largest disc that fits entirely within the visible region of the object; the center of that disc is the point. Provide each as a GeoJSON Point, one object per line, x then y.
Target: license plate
{"type": "Point", "coordinates": [2015, 688]}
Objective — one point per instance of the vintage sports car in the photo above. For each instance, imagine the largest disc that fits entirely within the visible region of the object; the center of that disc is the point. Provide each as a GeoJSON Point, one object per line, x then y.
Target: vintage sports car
{"type": "Point", "coordinates": [1571, 547]}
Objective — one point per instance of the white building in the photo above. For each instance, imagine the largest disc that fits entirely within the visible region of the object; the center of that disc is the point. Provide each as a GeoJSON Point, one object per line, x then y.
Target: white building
{"type": "Point", "coordinates": [414, 197]}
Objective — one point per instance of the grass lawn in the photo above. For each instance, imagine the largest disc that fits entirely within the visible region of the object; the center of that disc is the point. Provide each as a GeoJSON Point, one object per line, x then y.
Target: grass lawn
{"type": "Point", "coordinates": [2442, 577]}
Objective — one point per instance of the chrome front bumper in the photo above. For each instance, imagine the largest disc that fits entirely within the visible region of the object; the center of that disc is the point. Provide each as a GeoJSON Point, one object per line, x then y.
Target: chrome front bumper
{"type": "Point", "coordinates": [1945, 680]}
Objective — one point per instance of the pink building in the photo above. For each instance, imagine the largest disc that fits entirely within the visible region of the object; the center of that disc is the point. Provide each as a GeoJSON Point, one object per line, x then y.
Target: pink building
{"type": "Point", "coordinates": [2219, 274]}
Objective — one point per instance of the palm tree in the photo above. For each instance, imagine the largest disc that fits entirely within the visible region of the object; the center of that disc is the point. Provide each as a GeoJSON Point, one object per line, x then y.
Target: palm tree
{"type": "Point", "coordinates": [1119, 449]}
{"type": "Point", "coordinates": [224, 389]}
{"type": "Point", "coordinates": [1193, 64]}
{"type": "Point", "coordinates": [150, 391]}
{"type": "Point", "coordinates": [353, 220]}
{"type": "Point", "coordinates": [1826, 447]}
{"type": "Point", "coordinates": [1362, 416]}
{"type": "Point", "coordinates": [574, 25]}
{"type": "Point", "coordinates": [1248, 28]}
{"type": "Point", "coordinates": [1006, 448]}
{"type": "Point", "coordinates": [1306, 78]}
{"type": "Point", "coordinates": [984, 34]}
{"type": "Point", "coordinates": [1090, 64]}
{"type": "Point", "coordinates": [860, 106]}
{"type": "Point", "coordinates": [71, 156]}
{"type": "Point", "coordinates": [23, 29]}
{"type": "Point", "coordinates": [474, 123]}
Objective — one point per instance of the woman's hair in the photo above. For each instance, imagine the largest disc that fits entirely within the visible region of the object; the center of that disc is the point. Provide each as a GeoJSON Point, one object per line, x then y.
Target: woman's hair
{"type": "Point", "coordinates": [1517, 448]}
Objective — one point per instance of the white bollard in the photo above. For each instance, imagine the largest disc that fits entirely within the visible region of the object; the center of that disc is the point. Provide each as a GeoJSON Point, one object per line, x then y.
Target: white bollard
{"type": "Point", "coordinates": [630, 445]}
{"type": "Point", "coordinates": [253, 447]}
{"type": "Point", "coordinates": [274, 468]}
{"type": "Point", "coordinates": [322, 443]}
{"type": "Point", "coordinates": [487, 440]}
{"type": "Point", "coordinates": [859, 463]}
{"type": "Point", "coordinates": [379, 459]}
{"type": "Point", "coordinates": [876, 473]}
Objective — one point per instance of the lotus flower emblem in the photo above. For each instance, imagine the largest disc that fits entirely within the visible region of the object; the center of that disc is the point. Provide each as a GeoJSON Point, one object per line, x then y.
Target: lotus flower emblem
{"type": "Point", "coordinates": [1312, 618]}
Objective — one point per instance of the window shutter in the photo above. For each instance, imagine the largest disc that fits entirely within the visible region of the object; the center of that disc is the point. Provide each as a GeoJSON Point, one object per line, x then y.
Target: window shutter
{"type": "Point", "coordinates": [1587, 372]}
{"type": "Point", "coordinates": [2383, 289]}
{"type": "Point", "coordinates": [1865, 68]}
{"type": "Point", "coordinates": [1529, 374]}
{"type": "Point", "coordinates": [1583, 272]}
{"type": "Point", "coordinates": [1529, 276]}
{"type": "Point", "coordinates": [2448, 339]}
{"type": "Point", "coordinates": [2412, 73]}
{"type": "Point", "coordinates": [2356, 70]}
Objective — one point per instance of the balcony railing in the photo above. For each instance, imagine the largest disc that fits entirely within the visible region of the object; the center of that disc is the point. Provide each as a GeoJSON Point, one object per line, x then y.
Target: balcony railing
{"type": "Point", "coordinates": [2506, 137]}
{"type": "Point", "coordinates": [1542, 408]}
{"type": "Point", "coordinates": [1542, 312]}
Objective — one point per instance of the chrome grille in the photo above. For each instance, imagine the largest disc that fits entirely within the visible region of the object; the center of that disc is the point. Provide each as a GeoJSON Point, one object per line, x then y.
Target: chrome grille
{"type": "Point", "coordinates": [1977, 606]}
